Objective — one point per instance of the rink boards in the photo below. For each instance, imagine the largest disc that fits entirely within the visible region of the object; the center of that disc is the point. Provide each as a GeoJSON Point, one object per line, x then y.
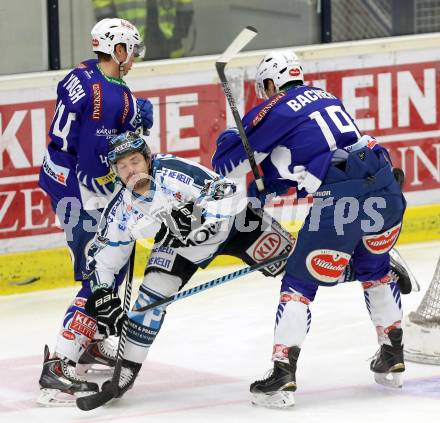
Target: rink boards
{"type": "Point", "coordinates": [391, 87]}
{"type": "Point", "coordinates": [47, 269]}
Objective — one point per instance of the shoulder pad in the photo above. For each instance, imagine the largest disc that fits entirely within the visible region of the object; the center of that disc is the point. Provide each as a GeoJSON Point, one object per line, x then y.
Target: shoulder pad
{"type": "Point", "coordinates": [87, 64]}
{"type": "Point", "coordinates": [164, 156]}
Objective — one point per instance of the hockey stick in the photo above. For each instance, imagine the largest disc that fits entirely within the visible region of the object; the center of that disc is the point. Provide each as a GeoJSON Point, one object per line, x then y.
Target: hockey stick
{"type": "Point", "coordinates": [110, 390]}
{"type": "Point", "coordinates": [214, 282]}
{"type": "Point", "coordinates": [242, 39]}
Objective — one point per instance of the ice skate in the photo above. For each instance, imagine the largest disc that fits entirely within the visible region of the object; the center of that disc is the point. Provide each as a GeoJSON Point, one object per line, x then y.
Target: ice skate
{"type": "Point", "coordinates": [276, 391]}
{"type": "Point", "coordinates": [388, 364]}
{"type": "Point", "coordinates": [129, 372]}
{"type": "Point", "coordinates": [99, 357]}
{"type": "Point", "coordinates": [59, 385]}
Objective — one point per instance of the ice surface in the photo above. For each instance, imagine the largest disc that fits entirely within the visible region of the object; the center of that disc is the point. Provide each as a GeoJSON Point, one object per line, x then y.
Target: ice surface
{"type": "Point", "coordinates": [214, 344]}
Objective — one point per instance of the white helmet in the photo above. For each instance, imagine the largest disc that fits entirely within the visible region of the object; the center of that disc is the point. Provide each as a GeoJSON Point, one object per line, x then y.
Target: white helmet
{"type": "Point", "coordinates": [109, 32]}
{"type": "Point", "coordinates": [281, 67]}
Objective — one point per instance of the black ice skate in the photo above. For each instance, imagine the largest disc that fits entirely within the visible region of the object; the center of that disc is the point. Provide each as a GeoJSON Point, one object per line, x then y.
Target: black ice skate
{"type": "Point", "coordinates": [276, 391]}
{"type": "Point", "coordinates": [59, 385]}
{"type": "Point", "coordinates": [99, 357]}
{"type": "Point", "coordinates": [388, 363]}
{"type": "Point", "coordinates": [129, 372]}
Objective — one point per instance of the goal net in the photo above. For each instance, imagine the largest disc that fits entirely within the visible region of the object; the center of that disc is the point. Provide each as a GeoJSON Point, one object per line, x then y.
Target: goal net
{"type": "Point", "coordinates": [422, 327]}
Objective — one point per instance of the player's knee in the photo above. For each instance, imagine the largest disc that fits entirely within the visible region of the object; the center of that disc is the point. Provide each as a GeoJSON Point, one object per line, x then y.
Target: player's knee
{"type": "Point", "coordinates": [287, 297]}
{"type": "Point", "coordinates": [155, 287]}
{"type": "Point", "coordinates": [386, 281]}
{"type": "Point", "coordinates": [382, 242]}
{"type": "Point", "coordinates": [306, 289]}
{"type": "Point", "coordinates": [160, 284]}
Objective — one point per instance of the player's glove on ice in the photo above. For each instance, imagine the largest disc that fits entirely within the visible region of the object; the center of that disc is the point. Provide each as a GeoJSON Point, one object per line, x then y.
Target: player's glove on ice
{"type": "Point", "coordinates": [105, 306]}
{"type": "Point", "coordinates": [145, 111]}
{"type": "Point", "coordinates": [178, 225]}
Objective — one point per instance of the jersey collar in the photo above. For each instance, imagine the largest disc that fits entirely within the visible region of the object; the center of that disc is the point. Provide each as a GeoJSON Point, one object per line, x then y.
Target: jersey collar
{"type": "Point", "coordinates": [111, 79]}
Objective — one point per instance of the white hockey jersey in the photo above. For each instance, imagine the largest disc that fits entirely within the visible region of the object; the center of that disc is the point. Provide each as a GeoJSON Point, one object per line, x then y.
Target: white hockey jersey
{"type": "Point", "coordinates": [129, 217]}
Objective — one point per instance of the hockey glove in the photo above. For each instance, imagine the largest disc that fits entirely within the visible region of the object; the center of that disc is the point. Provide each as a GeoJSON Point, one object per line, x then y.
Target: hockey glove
{"type": "Point", "coordinates": [145, 112]}
{"type": "Point", "coordinates": [178, 225]}
{"type": "Point", "coordinates": [105, 306]}
{"type": "Point", "coordinates": [272, 188]}
{"type": "Point", "coordinates": [226, 134]}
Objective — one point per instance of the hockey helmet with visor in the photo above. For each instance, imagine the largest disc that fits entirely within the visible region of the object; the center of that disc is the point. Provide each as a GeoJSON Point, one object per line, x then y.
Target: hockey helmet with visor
{"type": "Point", "coordinates": [109, 32]}
{"type": "Point", "coordinates": [127, 143]}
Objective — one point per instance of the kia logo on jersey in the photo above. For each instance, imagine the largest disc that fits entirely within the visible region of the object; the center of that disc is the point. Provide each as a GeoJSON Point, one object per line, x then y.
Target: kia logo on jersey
{"type": "Point", "coordinates": [381, 243]}
{"type": "Point", "coordinates": [327, 265]}
{"type": "Point", "coordinates": [266, 247]}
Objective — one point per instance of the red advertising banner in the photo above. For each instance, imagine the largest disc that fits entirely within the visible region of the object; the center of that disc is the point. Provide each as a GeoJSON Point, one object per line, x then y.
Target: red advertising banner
{"type": "Point", "coordinates": [399, 104]}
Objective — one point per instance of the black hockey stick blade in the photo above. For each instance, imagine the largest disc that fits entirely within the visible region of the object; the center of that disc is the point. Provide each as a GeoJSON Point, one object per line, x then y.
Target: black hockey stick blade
{"type": "Point", "coordinates": [110, 390]}
{"type": "Point", "coordinates": [96, 400]}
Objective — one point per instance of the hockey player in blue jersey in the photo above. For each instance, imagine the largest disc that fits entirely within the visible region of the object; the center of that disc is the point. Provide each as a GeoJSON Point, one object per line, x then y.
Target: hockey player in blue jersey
{"type": "Point", "coordinates": [193, 215]}
{"type": "Point", "coordinates": [93, 105]}
{"type": "Point", "coordinates": [303, 137]}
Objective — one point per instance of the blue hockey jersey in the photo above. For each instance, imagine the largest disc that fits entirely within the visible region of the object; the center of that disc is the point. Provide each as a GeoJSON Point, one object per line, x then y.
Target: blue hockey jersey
{"type": "Point", "coordinates": [91, 108]}
{"type": "Point", "coordinates": [302, 126]}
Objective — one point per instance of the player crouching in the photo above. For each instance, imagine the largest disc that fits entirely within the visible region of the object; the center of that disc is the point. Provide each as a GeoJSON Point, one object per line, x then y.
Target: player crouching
{"type": "Point", "coordinates": [193, 214]}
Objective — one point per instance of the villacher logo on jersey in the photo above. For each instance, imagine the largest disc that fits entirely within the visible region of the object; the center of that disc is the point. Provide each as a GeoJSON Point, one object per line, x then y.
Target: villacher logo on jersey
{"type": "Point", "coordinates": [327, 265]}
{"type": "Point", "coordinates": [381, 243]}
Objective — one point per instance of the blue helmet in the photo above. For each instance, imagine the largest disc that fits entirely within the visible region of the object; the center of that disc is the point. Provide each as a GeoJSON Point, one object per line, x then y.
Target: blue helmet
{"type": "Point", "coordinates": [126, 143]}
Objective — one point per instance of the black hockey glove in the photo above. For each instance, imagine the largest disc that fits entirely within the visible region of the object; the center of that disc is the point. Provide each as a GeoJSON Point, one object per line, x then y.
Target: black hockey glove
{"type": "Point", "coordinates": [105, 306]}
{"type": "Point", "coordinates": [178, 225]}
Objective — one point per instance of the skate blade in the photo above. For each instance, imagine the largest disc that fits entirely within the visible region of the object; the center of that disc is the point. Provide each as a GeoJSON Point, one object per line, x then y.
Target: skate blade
{"type": "Point", "coordinates": [391, 380]}
{"type": "Point", "coordinates": [96, 369]}
{"type": "Point", "coordinates": [56, 398]}
{"type": "Point", "coordinates": [279, 399]}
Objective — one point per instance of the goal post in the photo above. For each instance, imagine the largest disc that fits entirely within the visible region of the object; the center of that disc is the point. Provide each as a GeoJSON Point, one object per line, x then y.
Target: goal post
{"type": "Point", "coordinates": [422, 327]}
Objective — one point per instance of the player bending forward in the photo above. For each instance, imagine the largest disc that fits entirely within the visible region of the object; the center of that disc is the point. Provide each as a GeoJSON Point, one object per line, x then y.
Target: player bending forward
{"type": "Point", "coordinates": [194, 216]}
{"type": "Point", "coordinates": [303, 137]}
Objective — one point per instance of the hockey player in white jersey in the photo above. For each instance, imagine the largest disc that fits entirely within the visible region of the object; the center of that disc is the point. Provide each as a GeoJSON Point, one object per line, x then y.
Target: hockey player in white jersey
{"type": "Point", "coordinates": [194, 215]}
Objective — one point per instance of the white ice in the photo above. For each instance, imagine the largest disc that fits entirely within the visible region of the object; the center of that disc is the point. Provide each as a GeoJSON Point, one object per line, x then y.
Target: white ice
{"type": "Point", "coordinates": [214, 344]}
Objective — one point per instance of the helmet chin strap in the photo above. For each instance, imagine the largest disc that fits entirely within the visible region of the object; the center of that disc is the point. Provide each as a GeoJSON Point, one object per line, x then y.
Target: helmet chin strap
{"type": "Point", "coordinates": [121, 70]}
{"type": "Point", "coordinates": [120, 64]}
